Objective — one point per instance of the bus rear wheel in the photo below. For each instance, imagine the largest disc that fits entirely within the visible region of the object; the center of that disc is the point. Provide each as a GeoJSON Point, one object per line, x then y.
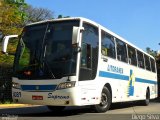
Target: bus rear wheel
{"type": "Point", "coordinates": [147, 100]}
{"type": "Point", "coordinates": [105, 101]}
{"type": "Point", "coordinates": [56, 108]}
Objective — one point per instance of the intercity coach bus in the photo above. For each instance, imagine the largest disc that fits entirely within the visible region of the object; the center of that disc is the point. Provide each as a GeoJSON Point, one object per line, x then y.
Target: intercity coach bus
{"type": "Point", "coordinates": [78, 62]}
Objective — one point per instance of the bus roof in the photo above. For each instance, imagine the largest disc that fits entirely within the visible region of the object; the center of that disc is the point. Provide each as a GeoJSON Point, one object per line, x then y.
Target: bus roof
{"type": "Point", "coordinates": [96, 24]}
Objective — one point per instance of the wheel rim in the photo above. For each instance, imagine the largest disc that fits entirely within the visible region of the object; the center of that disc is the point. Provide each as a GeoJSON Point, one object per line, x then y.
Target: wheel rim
{"type": "Point", "coordinates": [104, 100]}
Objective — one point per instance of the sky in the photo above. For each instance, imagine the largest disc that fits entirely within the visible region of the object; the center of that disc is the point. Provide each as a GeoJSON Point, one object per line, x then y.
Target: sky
{"type": "Point", "coordinates": [137, 21]}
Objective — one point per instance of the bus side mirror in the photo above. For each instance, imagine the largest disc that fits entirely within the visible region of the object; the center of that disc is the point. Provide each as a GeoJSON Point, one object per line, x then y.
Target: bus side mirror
{"type": "Point", "coordinates": [5, 43]}
{"type": "Point", "coordinates": [76, 33]}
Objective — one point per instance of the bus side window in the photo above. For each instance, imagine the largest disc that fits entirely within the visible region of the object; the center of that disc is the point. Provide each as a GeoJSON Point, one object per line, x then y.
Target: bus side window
{"type": "Point", "coordinates": [147, 63]}
{"type": "Point", "coordinates": [153, 65]}
{"type": "Point", "coordinates": [108, 45]}
{"type": "Point", "coordinates": [121, 50]}
{"type": "Point", "coordinates": [132, 56]}
{"type": "Point", "coordinates": [140, 59]}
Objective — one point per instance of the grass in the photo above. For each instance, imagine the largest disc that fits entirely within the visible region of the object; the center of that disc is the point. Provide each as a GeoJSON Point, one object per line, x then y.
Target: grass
{"type": "Point", "coordinates": [6, 102]}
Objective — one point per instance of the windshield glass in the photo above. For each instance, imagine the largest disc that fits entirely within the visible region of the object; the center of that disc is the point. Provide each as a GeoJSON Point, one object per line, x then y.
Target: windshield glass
{"type": "Point", "coordinates": [45, 51]}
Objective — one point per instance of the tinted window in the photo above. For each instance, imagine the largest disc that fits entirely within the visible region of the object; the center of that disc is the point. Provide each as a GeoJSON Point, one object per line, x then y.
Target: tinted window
{"type": "Point", "coordinates": [86, 56]}
{"type": "Point", "coordinates": [153, 65]}
{"type": "Point", "coordinates": [108, 45]}
{"type": "Point", "coordinates": [132, 56]}
{"type": "Point", "coordinates": [140, 59]}
{"type": "Point", "coordinates": [147, 62]}
{"type": "Point", "coordinates": [89, 54]}
{"type": "Point", "coordinates": [121, 51]}
{"type": "Point", "coordinates": [47, 49]}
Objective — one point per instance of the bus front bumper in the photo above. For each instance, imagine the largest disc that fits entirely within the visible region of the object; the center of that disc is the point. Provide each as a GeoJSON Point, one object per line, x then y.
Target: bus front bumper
{"type": "Point", "coordinates": [66, 97]}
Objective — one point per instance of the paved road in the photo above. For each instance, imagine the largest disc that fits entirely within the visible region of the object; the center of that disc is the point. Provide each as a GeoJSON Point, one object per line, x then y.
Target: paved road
{"type": "Point", "coordinates": [120, 111]}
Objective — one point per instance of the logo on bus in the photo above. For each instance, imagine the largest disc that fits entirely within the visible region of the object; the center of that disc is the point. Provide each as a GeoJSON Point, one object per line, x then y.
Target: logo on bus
{"type": "Point", "coordinates": [37, 87]}
{"type": "Point", "coordinates": [130, 90]}
{"type": "Point", "coordinates": [50, 95]}
{"type": "Point", "coordinates": [115, 69]}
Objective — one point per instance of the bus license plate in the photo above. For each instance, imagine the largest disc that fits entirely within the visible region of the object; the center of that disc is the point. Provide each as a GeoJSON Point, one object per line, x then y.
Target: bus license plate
{"type": "Point", "coordinates": [35, 97]}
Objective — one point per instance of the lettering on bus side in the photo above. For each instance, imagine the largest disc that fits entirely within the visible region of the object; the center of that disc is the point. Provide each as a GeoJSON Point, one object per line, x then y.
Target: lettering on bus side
{"type": "Point", "coordinates": [50, 95]}
{"type": "Point", "coordinates": [115, 69]}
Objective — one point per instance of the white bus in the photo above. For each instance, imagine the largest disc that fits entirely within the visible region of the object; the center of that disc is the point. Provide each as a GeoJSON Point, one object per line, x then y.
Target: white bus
{"type": "Point", "coordinates": [78, 62]}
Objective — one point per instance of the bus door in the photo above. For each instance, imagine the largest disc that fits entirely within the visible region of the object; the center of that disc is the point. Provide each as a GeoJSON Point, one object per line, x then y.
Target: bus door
{"type": "Point", "coordinates": [88, 61]}
{"type": "Point", "coordinates": [89, 53]}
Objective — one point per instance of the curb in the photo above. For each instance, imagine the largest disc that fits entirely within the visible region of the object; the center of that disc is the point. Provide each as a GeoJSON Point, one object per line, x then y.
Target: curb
{"type": "Point", "coordinates": [3, 106]}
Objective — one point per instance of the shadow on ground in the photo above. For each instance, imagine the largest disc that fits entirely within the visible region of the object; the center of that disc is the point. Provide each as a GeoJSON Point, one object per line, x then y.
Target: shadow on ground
{"type": "Point", "coordinates": [43, 111]}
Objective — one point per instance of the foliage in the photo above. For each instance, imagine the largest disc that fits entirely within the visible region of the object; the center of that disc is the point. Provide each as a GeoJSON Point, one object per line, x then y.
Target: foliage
{"type": "Point", "coordinates": [15, 14]}
{"type": "Point", "coordinates": [6, 102]}
{"type": "Point", "coordinates": [151, 52]}
{"type": "Point", "coordinates": [11, 16]}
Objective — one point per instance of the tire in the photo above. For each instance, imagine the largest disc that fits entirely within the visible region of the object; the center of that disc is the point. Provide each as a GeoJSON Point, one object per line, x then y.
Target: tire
{"type": "Point", "coordinates": [56, 108]}
{"type": "Point", "coordinates": [147, 100]}
{"type": "Point", "coordinates": [105, 103]}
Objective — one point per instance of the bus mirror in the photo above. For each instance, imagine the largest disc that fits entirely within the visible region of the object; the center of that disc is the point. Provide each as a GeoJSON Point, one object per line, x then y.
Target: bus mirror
{"type": "Point", "coordinates": [5, 42]}
{"type": "Point", "coordinates": [75, 34]}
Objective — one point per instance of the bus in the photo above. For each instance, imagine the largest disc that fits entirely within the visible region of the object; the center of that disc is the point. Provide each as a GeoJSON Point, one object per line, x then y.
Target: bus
{"type": "Point", "coordinates": [77, 62]}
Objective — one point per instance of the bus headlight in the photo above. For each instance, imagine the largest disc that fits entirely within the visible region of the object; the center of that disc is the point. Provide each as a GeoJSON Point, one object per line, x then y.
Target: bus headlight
{"type": "Point", "coordinates": [66, 85]}
{"type": "Point", "coordinates": [16, 85]}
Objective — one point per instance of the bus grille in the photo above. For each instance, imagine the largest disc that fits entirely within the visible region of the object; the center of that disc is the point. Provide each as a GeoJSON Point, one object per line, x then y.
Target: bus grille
{"type": "Point", "coordinates": [38, 87]}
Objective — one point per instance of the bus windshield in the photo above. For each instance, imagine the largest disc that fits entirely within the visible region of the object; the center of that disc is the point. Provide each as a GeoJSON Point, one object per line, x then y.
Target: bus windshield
{"type": "Point", "coordinates": [45, 51]}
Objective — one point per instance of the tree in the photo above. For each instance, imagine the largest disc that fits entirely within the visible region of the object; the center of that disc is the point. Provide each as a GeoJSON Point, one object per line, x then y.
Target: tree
{"type": "Point", "coordinates": [11, 19]}
{"type": "Point", "coordinates": [11, 16]}
{"type": "Point", "coordinates": [151, 52]}
{"type": "Point", "coordinates": [19, 5]}
{"type": "Point", "coordinates": [37, 14]}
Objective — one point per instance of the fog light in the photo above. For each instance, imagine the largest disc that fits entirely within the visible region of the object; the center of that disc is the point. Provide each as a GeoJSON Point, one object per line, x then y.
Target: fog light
{"type": "Point", "coordinates": [67, 102]}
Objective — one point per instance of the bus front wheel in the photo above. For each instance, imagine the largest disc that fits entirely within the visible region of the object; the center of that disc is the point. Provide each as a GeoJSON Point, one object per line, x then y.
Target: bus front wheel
{"type": "Point", "coordinates": [105, 101]}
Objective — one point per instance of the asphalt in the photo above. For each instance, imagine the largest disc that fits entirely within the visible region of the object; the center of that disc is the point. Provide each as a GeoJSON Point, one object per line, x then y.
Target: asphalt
{"type": "Point", "coordinates": [4, 106]}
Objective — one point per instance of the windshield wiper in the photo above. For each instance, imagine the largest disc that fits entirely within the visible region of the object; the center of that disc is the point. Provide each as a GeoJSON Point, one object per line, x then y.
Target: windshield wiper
{"type": "Point", "coordinates": [50, 70]}
{"type": "Point", "coordinates": [43, 55]}
{"type": "Point", "coordinates": [48, 67]}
